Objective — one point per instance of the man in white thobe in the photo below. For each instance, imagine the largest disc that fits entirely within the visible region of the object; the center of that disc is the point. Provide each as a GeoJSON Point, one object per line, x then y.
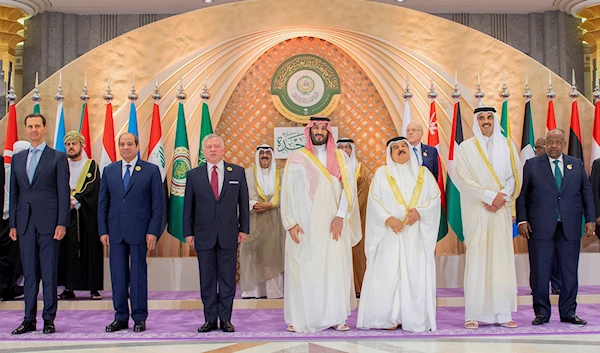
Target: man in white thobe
{"type": "Point", "coordinates": [403, 217]}
{"type": "Point", "coordinates": [490, 171]}
{"type": "Point", "coordinates": [319, 211]}
{"type": "Point", "coordinates": [261, 256]}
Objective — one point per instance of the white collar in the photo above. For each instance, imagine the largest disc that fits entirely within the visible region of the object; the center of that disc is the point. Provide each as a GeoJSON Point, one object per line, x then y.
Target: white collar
{"type": "Point", "coordinates": [220, 165]}
{"type": "Point", "coordinates": [560, 159]}
{"type": "Point", "coordinates": [133, 162]}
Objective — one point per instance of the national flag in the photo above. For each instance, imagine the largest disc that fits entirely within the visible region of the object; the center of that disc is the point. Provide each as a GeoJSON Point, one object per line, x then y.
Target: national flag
{"type": "Point", "coordinates": [84, 129]}
{"type": "Point", "coordinates": [595, 133]}
{"type": "Point", "coordinates": [575, 143]}
{"type": "Point", "coordinates": [109, 153]}
{"type": "Point", "coordinates": [205, 130]}
{"type": "Point", "coordinates": [181, 165]}
{"type": "Point", "coordinates": [550, 118]}
{"type": "Point", "coordinates": [453, 182]}
{"type": "Point", "coordinates": [12, 136]}
{"type": "Point", "coordinates": [156, 155]}
{"type": "Point", "coordinates": [59, 129]}
{"type": "Point", "coordinates": [527, 137]}
{"type": "Point", "coordinates": [156, 151]}
{"type": "Point", "coordinates": [433, 140]}
{"type": "Point", "coordinates": [133, 126]}
{"type": "Point", "coordinates": [407, 117]}
{"type": "Point", "coordinates": [505, 125]}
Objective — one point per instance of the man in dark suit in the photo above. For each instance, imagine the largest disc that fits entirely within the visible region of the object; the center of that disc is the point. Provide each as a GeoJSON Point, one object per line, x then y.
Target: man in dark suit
{"type": "Point", "coordinates": [427, 155]}
{"type": "Point", "coordinates": [130, 213]}
{"type": "Point", "coordinates": [39, 215]}
{"type": "Point", "coordinates": [595, 181]}
{"type": "Point", "coordinates": [216, 217]}
{"type": "Point", "coordinates": [556, 194]}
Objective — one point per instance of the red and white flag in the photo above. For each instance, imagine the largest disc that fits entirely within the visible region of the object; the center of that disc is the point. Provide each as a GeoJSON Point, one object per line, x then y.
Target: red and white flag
{"type": "Point", "coordinates": [596, 134]}
{"type": "Point", "coordinates": [551, 118]}
{"type": "Point", "coordinates": [84, 129]}
{"type": "Point", "coordinates": [433, 139]}
{"type": "Point", "coordinates": [12, 134]}
{"type": "Point", "coordinates": [156, 151]}
{"type": "Point", "coordinates": [109, 153]}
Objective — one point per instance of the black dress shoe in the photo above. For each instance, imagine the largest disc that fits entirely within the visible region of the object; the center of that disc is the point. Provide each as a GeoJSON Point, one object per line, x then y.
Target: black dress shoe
{"type": "Point", "coordinates": [575, 320]}
{"type": "Point", "coordinates": [26, 326]}
{"type": "Point", "coordinates": [49, 326]}
{"type": "Point", "coordinates": [117, 326]}
{"type": "Point", "coordinates": [540, 320]}
{"type": "Point", "coordinates": [139, 326]}
{"type": "Point", "coordinates": [226, 326]}
{"type": "Point", "coordinates": [208, 326]}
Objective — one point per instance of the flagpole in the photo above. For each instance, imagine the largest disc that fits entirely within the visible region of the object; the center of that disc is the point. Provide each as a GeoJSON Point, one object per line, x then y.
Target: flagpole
{"type": "Point", "coordinates": [456, 95]}
{"type": "Point", "coordinates": [479, 94]}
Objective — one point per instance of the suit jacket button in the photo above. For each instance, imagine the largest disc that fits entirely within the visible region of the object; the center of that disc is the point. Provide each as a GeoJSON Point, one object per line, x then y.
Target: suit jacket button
{"type": "Point", "coordinates": [559, 197]}
{"type": "Point", "coordinates": [123, 200]}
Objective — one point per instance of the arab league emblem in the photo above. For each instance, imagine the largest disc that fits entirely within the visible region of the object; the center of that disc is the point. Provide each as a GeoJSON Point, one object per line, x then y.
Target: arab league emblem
{"type": "Point", "coordinates": [425, 154]}
{"type": "Point", "coordinates": [138, 168]}
{"type": "Point", "coordinates": [229, 169]}
{"type": "Point", "coordinates": [569, 166]}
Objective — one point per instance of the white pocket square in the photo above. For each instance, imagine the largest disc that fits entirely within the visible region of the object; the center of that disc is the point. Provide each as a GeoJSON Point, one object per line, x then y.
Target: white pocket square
{"type": "Point", "coordinates": [234, 182]}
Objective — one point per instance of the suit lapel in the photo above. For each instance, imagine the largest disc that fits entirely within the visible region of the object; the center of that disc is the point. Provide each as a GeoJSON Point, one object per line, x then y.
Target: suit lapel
{"type": "Point", "coordinates": [225, 186]}
{"type": "Point", "coordinates": [134, 175]}
{"type": "Point", "coordinates": [545, 165]}
{"type": "Point", "coordinates": [44, 158]}
{"type": "Point", "coordinates": [203, 170]}
{"type": "Point", "coordinates": [21, 168]}
{"type": "Point", "coordinates": [567, 173]}
{"type": "Point", "coordinates": [424, 153]}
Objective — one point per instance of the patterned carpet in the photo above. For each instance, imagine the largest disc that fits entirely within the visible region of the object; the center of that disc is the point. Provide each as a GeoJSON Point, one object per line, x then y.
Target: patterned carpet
{"type": "Point", "coordinates": [268, 325]}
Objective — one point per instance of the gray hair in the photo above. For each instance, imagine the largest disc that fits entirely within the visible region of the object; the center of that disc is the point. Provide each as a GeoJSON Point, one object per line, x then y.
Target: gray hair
{"type": "Point", "coordinates": [210, 136]}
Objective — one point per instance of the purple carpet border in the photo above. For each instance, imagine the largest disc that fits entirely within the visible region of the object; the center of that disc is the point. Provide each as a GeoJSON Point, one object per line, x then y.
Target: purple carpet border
{"type": "Point", "coordinates": [268, 325]}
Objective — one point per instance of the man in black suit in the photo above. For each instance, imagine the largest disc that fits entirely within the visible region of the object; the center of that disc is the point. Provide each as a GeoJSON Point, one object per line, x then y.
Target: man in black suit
{"type": "Point", "coordinates": [39, 216]}
{"type": "Point", "coordinates": [216, 218]}
{"type": "Point", "coordinates": [556, 194]}
{"type": "Point", "coordinates": [426, 155]}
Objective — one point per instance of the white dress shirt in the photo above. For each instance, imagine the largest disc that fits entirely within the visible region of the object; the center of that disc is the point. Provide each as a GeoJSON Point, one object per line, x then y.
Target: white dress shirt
{"type": "Point", "coordinates": [321, 152]}
{"type": "Point", "coordinates": [220, 173]}
{"type": "Point", "coordinates": [561, 164]}
{"type": "Point", "coordinates": [125, 164]}
{"type": "Point", "coordinates": [41, 148]}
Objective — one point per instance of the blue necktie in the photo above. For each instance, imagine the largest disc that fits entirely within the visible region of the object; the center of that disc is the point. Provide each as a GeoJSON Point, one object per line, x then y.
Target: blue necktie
{"type": "Point", "coordinates": [33, 162]}
{"type": "Point", "coordinates": [417, 155]}
{"type": "Point", "coordinates": [126, 177]}
{"type": "Point", "coordinates": [558, 177]}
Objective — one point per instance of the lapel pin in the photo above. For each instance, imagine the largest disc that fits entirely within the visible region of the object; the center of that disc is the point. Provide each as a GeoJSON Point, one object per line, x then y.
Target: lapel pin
{"type": "Point", "coordinates": [138, 168]}
{"type": "Point", "coordinates": [569, 166]}
{"type": "Point", "coordinates": [425, 154]}
{"type": "Point", "coordinates": [229, 169]}
{"type": "Point", "coordinates": [89, 175]}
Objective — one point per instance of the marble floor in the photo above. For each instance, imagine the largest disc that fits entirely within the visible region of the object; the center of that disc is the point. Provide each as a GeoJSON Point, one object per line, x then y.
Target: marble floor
{"type": "Point", "coordinates": [521, 344]}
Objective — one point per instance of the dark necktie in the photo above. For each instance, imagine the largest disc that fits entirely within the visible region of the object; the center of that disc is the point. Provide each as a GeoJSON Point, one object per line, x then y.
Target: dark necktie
{"type": "Point", "coordinates": [214, 182]}
{"type": "Point", "coordinates": [558, 177]}
{"type": "Point", "coordinates": [127, 176]}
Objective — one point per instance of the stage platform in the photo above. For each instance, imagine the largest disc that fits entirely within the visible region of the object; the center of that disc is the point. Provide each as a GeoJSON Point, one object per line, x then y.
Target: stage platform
{"type": "Point", "coordinates": [269, 325]}
{"type": "Point", "coordinates": [190, 300]}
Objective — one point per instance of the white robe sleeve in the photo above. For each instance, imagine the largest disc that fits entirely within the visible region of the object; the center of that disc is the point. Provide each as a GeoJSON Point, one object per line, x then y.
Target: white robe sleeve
{"type": "Point", "coordinates": [377, 213]}
{"type": "Point", "coordinates": [289, 205]}
{"type": "Point", "coordinates": [429, 208]}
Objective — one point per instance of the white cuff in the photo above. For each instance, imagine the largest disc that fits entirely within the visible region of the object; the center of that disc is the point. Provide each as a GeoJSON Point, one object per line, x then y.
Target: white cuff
{"type": "Point", "coordinates": [488, 197]}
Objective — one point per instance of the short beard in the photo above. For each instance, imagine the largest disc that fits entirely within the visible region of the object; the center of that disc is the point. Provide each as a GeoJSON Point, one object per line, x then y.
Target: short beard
{"type": "Point", "coordinates": [75, 155]}
{"type": "Point", "coordinates": [318, 143]}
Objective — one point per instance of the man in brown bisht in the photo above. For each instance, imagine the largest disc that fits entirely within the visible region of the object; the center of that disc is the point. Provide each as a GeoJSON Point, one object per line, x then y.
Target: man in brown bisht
{"type": "Point", "coordinates": [359, 261]}
{"type": "Point", "coordinates": [81, 260]}
{"type": "Point", "coordinates": [261, 256]}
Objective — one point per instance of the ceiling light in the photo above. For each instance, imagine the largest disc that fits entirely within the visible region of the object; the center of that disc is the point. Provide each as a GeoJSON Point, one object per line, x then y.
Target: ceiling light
{"type": "Point", "coordinates": [208, 1]}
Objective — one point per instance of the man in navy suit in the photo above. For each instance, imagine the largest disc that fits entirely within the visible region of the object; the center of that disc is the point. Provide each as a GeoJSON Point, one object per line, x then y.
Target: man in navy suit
{"type": "Point", "coordinates": [216, 218]}
{"type": "Point", "coordinates": [39, 215]}
{"type": "Point", "coordinates": [426, 155]}
{"type": "Point", "coordinates": [556, 194]}
{"type": "Point", "coordinates": [130, 213]}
